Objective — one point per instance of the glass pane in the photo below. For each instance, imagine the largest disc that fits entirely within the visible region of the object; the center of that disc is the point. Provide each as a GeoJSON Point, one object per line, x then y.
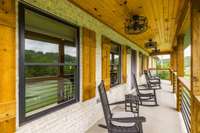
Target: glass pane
{"type": "Point", "coordinates": [115, 74]}
{"type": "Point", "coordinates": [43, 94]}
{"type": "Point", "coordinates": [40, 52]}
{"type": "Point", "coordinates": [41, 24]}
{"type": "Point", "coordinates": [115, 64]}
{"type": "Point", "coordinates": [49, 69]}
{"type": "Point", "coordinates": [40, 71]}
{"type": "Point", "coordinates": [70, 69]}
{"type": "Point", "coordinates": [116, 59]}
{"type": "Point", "coordinates": [115, 48]}
{"type": "Point", "coordinates": [70, 54]}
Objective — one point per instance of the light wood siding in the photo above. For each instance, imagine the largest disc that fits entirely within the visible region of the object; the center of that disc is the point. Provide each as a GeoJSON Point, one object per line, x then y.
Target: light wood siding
{"type": "Point", "coordinates": [162, 17]}
{"type": "Point", "coordinates": [106, 46]}
{"type": "Point", "coordinates": [124, 64]}
{"type": "Point", "coordinates": [89, 64]}
{"type": "Point", "coordinates": [7, 63]}
{"type": "Point", "coordinates": [195, 66]}
{"type": "Point", "coordinates": [180, 55]}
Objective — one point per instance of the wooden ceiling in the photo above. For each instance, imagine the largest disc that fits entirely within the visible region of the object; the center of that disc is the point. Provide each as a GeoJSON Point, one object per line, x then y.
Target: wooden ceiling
{"type": "Point", "coordinates": [163, 16]}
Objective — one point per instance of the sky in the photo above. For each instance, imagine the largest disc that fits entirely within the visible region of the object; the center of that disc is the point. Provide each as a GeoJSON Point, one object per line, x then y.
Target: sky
{"type": "Point", "coordinates": [187, 51]}
{"type": "Point", "coordinates": [163, 56]}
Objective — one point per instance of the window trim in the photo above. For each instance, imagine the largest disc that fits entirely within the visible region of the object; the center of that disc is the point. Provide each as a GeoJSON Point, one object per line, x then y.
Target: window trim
{"type": "Point", "coordinates": [21, 24]}
{"type": "Point", "coordinates": [120, 64]}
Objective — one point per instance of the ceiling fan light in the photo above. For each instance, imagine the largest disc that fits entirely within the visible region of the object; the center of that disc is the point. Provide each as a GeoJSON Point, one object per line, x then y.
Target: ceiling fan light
{"type": "Point", "coordinates": [136, 25]}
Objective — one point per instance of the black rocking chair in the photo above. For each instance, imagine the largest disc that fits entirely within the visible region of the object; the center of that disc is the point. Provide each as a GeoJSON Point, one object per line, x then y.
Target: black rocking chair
{"type": "Point", "coordinates": [146, 95]}
{"type": "Point", "coordinates": [154, 82]}
{"type": "Point", "coordinates": [137, 121]}
{"type": "Point", "coordinates": [152, 76]}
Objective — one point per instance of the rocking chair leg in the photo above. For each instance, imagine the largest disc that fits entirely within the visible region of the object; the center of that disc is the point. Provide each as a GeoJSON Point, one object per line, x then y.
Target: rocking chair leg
{"type": "Point", "coordinates": [156, 103]}
{"type": "Point", "coordinates": [102, 126]}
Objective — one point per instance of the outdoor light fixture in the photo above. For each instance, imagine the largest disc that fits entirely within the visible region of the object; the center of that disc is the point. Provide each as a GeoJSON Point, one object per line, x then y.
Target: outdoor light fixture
{"type": "Point", "coordinates": [155, 51]}
{"type": "Point", "coordinates": [151, 44]}
{"type": "Point", "coordinates": [136, 24]}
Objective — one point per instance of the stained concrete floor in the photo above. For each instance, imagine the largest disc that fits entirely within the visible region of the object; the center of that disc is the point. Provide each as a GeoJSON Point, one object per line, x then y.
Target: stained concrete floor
{"type": "Point", "coordinates": [160, 119]}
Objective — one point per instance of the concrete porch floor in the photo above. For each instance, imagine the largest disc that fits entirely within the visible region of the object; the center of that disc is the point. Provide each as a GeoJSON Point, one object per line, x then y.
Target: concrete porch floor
{"type": "Point", "coordinates": [161, 119]}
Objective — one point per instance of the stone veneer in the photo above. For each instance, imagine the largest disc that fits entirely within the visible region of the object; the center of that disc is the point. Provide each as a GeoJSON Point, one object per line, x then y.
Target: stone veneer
{"type": "Point", "coordinates": [77, 118]}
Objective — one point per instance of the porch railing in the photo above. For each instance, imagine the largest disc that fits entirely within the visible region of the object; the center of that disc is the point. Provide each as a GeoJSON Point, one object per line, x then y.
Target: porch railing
{"type": "Point", "coordinates": [184, 101]}
{"type": "Point", "coordinates": [187, 104]}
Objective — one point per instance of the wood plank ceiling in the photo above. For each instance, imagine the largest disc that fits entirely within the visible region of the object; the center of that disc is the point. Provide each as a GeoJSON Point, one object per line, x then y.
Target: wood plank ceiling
{"type": "Point", "coordinates": [163, 16]}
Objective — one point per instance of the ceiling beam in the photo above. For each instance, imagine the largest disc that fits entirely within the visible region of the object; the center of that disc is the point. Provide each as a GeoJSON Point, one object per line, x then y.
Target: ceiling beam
{"type": "Point", "coordinates": [161, 53]}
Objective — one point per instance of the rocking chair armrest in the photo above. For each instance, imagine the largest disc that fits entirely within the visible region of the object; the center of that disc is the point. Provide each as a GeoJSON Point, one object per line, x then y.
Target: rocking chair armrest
{"type": "Point", "coordinates": [154, 82]}
{"type": "Point", "coordinates": [149, 89]}
{"type": "Point", "coordinates": [155, 77]}
{"type": "Point", "coordinates": [142, 85]}
{"type": "Point", "coordinates": [129, 119]}
{"type": "Point", "coordinates": [116, 103]}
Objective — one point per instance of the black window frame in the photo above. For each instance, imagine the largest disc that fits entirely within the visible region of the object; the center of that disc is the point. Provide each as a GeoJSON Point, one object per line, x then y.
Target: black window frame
{"type": "Point", "coordinates": [22, 6]}
{"type": "Point", "coordinates": [120, 64]}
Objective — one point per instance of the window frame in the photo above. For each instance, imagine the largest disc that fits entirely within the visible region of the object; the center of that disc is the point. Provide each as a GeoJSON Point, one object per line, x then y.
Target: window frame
{"type": "Point", "coordinates": [22, 6]}
{"type": "Point", "coordinates": [120, 64]}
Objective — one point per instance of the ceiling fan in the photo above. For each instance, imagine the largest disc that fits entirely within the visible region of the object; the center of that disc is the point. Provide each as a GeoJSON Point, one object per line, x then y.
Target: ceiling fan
{"type": "Point", "coordinates": [136, 24]}
{"type": "Point", "coordinates": [151, 44]}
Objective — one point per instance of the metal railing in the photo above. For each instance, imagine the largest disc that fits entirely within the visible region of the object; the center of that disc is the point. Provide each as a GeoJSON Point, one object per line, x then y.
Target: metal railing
{"type": "Point", "coordinates": [187, 103]}
{"type": "Point", "coordinates": [184, 101]}
{"type": "Point", "coordinates": [181, 87]}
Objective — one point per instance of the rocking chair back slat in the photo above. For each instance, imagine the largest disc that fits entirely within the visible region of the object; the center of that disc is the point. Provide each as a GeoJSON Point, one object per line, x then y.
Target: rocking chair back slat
{"type": "Point", "coordinates": [105, 103]}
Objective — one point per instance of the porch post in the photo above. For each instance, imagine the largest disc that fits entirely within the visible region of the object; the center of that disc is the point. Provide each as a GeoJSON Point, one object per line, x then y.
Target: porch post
{"type": "Point", "coordinates": [180, 67]}
{"type": "Point", "coordinates": [195, 66]}
{"type": "Point", "coordinates": [180, 56]}
{"type": "Point", "coordinates": [7, 66]}
{"type": "Point", "coordinates": [174, 59]}
{"type": "Point", "coordinates": [171, 66]}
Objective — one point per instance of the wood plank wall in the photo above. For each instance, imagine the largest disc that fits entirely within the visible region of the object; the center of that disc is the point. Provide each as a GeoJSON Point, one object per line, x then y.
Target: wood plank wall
{"type": "Point", "coordinates": [7, 63]}
{"type": "Point", "coordinates": [195, 66]}
{"type": "Point", "coordinates": [180, 55]}
{"type": "Point", "coordinates": [180, 64]}
{"type": "Point", "coordinates": [89, 64]}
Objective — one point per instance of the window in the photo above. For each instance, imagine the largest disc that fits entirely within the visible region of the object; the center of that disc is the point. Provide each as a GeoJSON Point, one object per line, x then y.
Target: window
{"type": "Point", "coordinates": [115, 64]}
{"type": "Point", "coordinates": [49, 72]}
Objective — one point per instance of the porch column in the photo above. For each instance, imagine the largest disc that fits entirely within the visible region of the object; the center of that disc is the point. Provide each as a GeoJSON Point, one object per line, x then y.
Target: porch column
{"type": "Point", "coordinates": [180, 67]}
{"type": "Point", "coordinates": [195, 66]}
{"type": "Point", "coordinates": [171, 66]}
{"type": "Point", "coordinates": [7, 66]}
{"type": "Point", "coordinates": [180, 56]}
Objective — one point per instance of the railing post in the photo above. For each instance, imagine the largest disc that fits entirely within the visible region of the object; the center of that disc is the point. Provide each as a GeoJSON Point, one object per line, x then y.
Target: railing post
{"type": "Point", "coordinates": [174, 82]}
{"type": "Point", "coordinates": [171, 73]}
{"type": "Point", "coordinates": [178, 95]}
